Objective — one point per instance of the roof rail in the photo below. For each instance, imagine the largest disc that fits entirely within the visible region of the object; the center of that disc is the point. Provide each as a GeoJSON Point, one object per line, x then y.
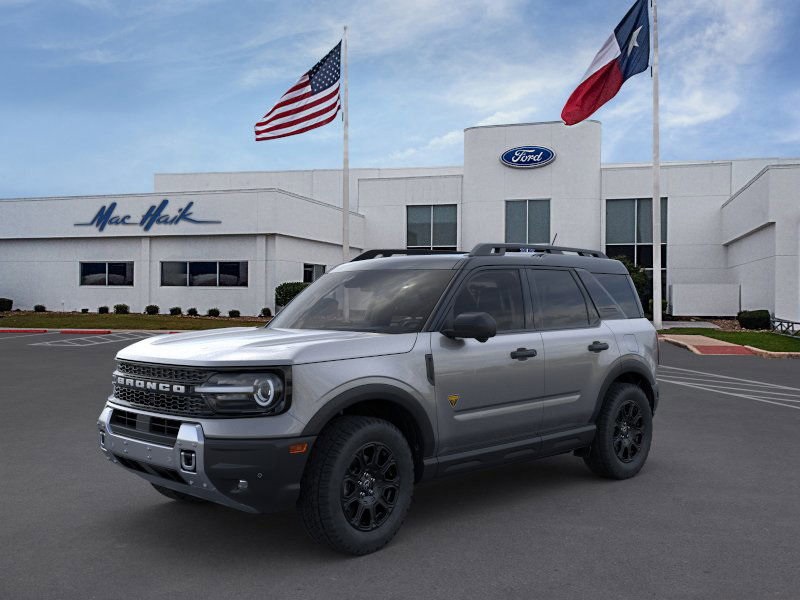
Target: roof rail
{"type": "Point", "coordinates": [384, 252]}
{"type": "Point", "coordinates": [501, 249]}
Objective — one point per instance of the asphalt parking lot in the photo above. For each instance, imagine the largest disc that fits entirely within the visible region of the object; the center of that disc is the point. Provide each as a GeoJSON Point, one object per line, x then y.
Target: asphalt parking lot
{"type": "Point", "coordinates": [714, 514]}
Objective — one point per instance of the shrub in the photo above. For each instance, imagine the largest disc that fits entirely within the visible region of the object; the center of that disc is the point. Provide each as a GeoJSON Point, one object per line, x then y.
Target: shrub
{"type": "Point", "coordinates": [213, 312]}
{"type": "Point", "coordinates": [39, 308]}
{"type": "Point", "coordinates": [754, 319]}
{"type": "Point", "coordinates": [266, 312]}
{"type": "Point", "coordinates": [234, 314]}
{"type": "Point", "coordinates": [6, 304]}
{"type": "Point", "coordinates": [103, 310]}
{"type": "Point", "coordinates": [286, 291]}
{"type": "Point", "coordinates": [192, 312]}
{"type": "Point", "coordinates": [641, 281]}
{"type": "Point", "coordinates": [151, 309]}
{"type": "Point", "coordinates": [175, 310]}
{"type": "Point", "coordinates": [121, 309]}
{"type": "Point", "coordinates": [84, 310]}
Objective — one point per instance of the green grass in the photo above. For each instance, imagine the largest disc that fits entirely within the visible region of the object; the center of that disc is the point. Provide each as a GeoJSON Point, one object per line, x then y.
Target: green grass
{"type": "Point", "coordinates": [757, 339]}
{"type": "Point", "coordinates": [56, 320]}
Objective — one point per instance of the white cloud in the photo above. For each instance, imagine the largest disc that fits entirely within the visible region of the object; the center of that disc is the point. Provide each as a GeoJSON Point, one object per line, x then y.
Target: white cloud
{"type": "Point", "coordinates": [451, 139]}
{"type": "Point", "coordinates": [707, 49]}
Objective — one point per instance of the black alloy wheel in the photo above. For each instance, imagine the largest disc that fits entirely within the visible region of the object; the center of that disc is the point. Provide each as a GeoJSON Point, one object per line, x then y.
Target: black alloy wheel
{"type": "Point", "coordinates": [370, 487]}
{"type": "Point", "coordinates": [628, 431]}
{"type": "Point", "coordinates": [624, 433]}
{"type": "Point", "coordinates": [358, 483]}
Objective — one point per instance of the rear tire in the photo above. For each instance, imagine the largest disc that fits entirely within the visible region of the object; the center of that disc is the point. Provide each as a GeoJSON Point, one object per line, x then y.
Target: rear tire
{"type": "Point", "coordinates": [624, 433]}
{"type": "Point", "coordinates": [357, 486]}
{"type": "Point", "coordinates": [175, 495]}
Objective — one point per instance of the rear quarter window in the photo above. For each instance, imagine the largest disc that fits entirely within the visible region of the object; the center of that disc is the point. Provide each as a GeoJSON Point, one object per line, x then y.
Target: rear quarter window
{"type": "Point", "coordinates": [621, 289]}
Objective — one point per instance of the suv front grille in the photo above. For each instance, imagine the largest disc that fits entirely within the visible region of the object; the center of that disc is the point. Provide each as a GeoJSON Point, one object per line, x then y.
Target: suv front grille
{"type": "Point", "coordinates": [163, 372]}
{"type": "Point", "coordinates": [161, 400]}
{"type": "Point", "coordinates": [174, 404]}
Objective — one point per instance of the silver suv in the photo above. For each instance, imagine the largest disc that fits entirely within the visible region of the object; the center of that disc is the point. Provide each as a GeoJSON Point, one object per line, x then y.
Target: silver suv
{"type": "Point", "coordinates": [397, 367]}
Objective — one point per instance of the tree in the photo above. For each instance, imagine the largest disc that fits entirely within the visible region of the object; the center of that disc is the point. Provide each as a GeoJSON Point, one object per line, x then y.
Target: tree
{"type": "Point", "coordinates": [641, 280]}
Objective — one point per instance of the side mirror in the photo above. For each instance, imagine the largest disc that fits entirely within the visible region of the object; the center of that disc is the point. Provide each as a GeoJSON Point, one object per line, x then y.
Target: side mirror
{"type": "Point", "coordinates": [475, 325]}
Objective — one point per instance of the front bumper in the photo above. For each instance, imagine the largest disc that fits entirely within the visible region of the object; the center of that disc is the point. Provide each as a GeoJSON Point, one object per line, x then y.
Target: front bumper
{"type": "Point", "coordinates": [252, 475]}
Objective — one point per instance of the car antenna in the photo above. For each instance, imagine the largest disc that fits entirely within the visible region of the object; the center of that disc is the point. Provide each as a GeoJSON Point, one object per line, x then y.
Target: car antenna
{"type": "Point", "coordinates": [555, 237]}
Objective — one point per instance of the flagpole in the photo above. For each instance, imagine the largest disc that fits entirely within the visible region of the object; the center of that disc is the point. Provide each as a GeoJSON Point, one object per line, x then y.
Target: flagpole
{"type": "Point", "coordinates": [656, 204]}
{"type": "Point", "coordinates": [345, 159]}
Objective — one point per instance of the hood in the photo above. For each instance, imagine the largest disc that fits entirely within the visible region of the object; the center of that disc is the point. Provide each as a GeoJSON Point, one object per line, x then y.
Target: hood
{"type": "Point", "coordinates": [257, 346]}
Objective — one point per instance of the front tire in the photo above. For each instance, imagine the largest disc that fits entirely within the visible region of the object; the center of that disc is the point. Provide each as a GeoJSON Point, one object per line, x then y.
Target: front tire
{"type": "Point", "coordinates": [357, 487]}
{"type": "Point", "coordinates": [624, 433]}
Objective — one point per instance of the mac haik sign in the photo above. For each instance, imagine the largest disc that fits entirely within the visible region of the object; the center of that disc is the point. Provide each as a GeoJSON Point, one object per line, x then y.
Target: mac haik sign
{"type": "Point", "coordinates": [156, 216]}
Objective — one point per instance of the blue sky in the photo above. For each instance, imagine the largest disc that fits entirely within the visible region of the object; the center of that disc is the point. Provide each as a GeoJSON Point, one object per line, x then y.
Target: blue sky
{"type": "Point", "coordinates": [97, 95]}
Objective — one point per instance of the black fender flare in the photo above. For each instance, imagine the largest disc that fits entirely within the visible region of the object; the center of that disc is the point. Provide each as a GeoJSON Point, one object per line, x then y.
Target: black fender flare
{"type": "Point", "coordinates": [380, 392]}
{"type": "Point", "coordinates": [621, 367]}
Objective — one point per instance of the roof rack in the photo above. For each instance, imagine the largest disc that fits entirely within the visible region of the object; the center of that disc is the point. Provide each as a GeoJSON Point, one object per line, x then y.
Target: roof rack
{"type": "Point", "coordinates": [384, 252]}
{"type": "Point", "coordinates": [501, 249]}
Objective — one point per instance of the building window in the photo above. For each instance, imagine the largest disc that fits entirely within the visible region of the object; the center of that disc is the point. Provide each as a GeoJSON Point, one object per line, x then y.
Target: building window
{"type": "Point", "coordinates": [204, 273]}
{"type": "Point", "coordinates": [312, 272]}
{"type": "Point", "coordinates": [107, 273]}
{"type": "Point", "coordinates": [432, 226]}
{"type": "Point", "coordinates": [629, 232]}
{"type": "Point", "coordinates": [528, 221]}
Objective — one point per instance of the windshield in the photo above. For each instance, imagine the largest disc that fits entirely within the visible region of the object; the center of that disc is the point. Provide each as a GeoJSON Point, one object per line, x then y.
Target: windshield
{"type": "Point", "coordinates": [383, 301]}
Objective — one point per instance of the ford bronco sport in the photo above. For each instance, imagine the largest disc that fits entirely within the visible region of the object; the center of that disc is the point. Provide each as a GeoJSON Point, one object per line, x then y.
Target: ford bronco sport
{"type": "Point", "coordinates": [396, 367]}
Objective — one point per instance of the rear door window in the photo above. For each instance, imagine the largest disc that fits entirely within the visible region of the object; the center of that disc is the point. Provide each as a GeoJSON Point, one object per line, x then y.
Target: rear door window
{"type": "Point", "coordinates": [559, 304]}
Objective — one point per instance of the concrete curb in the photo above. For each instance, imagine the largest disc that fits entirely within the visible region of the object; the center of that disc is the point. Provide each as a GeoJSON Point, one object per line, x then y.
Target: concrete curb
{"type": "Point", "coordinates": [688, 347]}
{"type": "Point", "coordinates": [770, 354]}
{"type": "Point", "coordinates": [756, 351]}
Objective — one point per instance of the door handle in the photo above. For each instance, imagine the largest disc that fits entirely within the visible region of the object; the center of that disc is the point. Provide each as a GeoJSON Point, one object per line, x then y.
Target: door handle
{"type": "Point", "coordinates": [523, 353]}
{"type": "Point", "coordinates": [597, 346]}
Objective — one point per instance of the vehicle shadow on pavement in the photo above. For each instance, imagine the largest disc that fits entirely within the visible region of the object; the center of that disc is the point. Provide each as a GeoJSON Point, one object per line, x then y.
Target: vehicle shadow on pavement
{"type": "Point", "coordinates": [204, 532]}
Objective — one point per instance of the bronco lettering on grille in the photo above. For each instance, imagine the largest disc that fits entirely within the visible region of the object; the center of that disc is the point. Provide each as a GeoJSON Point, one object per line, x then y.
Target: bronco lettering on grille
{"type": "Point", "coordinates": [154, 386]}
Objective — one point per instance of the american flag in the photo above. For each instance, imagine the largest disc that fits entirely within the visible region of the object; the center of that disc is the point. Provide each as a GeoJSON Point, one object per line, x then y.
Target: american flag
{"type": "Point", "coordinates": [310, 103]}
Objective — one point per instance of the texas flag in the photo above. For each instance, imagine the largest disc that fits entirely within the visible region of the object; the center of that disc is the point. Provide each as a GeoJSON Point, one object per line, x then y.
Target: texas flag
{"type": "Point", "coordinates": [625, 53]}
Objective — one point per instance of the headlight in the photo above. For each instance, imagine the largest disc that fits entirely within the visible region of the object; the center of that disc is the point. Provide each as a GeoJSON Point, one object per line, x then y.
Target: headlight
{"type": "Point", "coordinates": [244, 393]}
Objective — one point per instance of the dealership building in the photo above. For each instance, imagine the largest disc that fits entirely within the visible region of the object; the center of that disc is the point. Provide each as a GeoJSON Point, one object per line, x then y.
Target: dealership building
{"type": "Point", "coordinates": [730, 228]}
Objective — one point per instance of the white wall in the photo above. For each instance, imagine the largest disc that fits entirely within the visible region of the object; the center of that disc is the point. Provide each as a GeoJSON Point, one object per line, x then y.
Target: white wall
{"type": "Point", "coordinates": [324, 185]}
{"type": "Point", "coordinates": [48, 272]}
{"type": "Point", "coordinates": [760, 230]}
{"type": "Point", "coordinates": [276, 232]}
{"type": "Point", "coordinates": [384, 201]}
{"type": "Point", "coordinates": [695, 192]}
{"type": "Point", "coordinates": [705, 299]}
{"type": "Point", "coordinates": [239, 212]}
{"type": "Point", "coordinates": [571, 182]}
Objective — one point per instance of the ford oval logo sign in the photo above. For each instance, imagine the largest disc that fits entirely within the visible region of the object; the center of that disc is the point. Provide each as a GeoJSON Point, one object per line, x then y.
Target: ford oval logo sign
{"type": "Point", "coordinates": [527, 157]}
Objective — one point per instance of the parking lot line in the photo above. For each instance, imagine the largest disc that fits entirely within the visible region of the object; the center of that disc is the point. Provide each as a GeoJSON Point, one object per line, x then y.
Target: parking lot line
{"type": "Point", "coordinates": [676, 372]}
{"type": "Point", "coordinates": [22, 334]}
{"type": "Point", "coordinates": [727, 393]}
{"type": "Point", "coordinates": [94, 340]}
{"type": "Point", "coordinates": [749, 389]}
{"type": "Point", "coordinates": [734, 384]}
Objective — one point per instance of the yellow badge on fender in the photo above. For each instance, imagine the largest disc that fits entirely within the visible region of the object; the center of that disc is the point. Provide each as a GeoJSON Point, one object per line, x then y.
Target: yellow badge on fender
{"type": "Point", "coordinates": [453, 399]}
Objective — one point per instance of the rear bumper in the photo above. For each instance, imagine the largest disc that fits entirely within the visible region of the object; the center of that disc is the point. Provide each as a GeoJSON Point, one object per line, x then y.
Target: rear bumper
{"type": "Point", "coordinates": [252, 475]}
